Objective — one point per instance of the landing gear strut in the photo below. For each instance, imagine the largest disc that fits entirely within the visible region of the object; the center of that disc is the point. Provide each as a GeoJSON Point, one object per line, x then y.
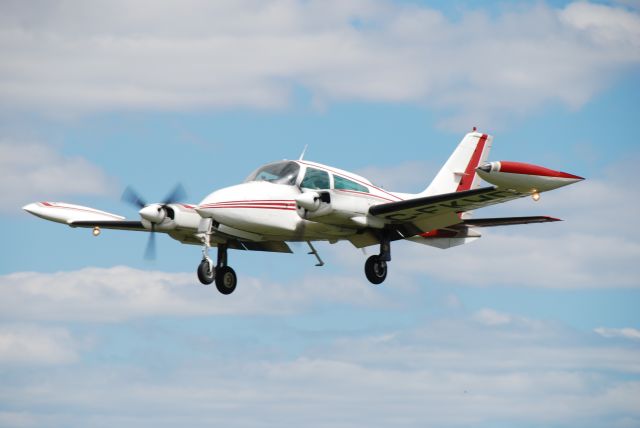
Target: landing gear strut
{"type": "Point", "coordinates": [375, 268]}
{"type": "Point", "coordinates": [225, 277]}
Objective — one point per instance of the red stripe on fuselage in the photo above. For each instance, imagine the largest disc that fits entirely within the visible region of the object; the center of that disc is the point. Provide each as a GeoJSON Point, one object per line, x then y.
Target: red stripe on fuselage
{"type": "Point", "coordinates": [257, 201]}
{"type": "Point", "coordinates": [262, 207]}
{"type": "Point", "coordinates": [252, 203]}
{"type": "Point", "coordinates": [266, 204]}
{"type": "Point", "coordinates": [470, 173]}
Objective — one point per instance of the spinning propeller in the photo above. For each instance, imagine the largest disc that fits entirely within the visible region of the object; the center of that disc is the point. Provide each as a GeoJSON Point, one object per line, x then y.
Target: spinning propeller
{"type": "Point", "coordinates": [153, 213]}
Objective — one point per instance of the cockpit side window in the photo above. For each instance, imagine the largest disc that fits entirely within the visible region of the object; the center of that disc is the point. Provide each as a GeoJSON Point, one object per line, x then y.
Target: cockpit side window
{"type": "Point", "coordinates": [315, 179]}
{"type": "Point", "coordinates": [277, 172]}
{"type": "Point", "coordinates": [346, 184]}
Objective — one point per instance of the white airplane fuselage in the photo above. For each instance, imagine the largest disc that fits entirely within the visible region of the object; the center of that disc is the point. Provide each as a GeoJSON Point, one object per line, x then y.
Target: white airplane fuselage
{"type": "Point", "coordinates": [271, 210]}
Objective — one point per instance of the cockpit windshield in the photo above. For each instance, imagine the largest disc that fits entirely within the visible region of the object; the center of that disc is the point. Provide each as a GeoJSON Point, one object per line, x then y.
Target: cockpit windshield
{"type": "Point", "coordinates": [284, 172]}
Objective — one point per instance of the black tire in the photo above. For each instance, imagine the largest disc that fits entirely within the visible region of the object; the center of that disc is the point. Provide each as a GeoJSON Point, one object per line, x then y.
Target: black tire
{"type": "Point", "coordinates": [375, 270]}
{"type": "Point", "coordinates": [206, 274]}
{"type": "Point", "coordinates": [226, 280]}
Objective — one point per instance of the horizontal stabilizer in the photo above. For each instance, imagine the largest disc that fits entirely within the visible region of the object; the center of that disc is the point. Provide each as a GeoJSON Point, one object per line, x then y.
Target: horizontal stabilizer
{"type": "Point", "coordinates": [508, 221]}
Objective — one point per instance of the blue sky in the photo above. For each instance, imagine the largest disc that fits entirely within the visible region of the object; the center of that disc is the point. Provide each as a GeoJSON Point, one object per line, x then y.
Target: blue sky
{"type": "Point", "coordinates": [530, 326]}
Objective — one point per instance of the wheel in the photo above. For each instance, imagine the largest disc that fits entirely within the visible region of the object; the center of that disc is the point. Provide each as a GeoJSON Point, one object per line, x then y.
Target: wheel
{"type": "Point", "coordinates": [206, 273]}
{"type": "Point", "coordinates": [226, 280]}
{"type": "Point", "coordinates": [375, 269]}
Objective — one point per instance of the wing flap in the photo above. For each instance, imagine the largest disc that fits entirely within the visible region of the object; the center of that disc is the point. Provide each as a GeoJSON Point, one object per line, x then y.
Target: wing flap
{"type": "Point", "coordinates": [111, 224]}
{"type": "Point", "coordinates": [269, 246]}
{"type": "Point", "coordinates": [233, 243]}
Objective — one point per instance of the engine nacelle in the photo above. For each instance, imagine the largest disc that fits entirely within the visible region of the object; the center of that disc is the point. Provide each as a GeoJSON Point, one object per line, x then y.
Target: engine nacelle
{"type": "Point", "coordinates": [169, 217]}
{"type": "Point", "coordinates": [337, 210]}
{"type": "Point", "coordinates": [311, 205]}
{"type": "Point", "coordinates": [310, 201]}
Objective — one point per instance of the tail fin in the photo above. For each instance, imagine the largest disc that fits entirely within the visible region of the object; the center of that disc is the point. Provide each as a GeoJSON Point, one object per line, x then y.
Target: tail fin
{"type": "Point", "coordinates": [459, 172]}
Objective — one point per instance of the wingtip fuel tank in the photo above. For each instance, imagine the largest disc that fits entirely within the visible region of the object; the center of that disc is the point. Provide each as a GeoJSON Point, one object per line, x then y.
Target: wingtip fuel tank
{"type": "Point", "coordinates": [525, 177]}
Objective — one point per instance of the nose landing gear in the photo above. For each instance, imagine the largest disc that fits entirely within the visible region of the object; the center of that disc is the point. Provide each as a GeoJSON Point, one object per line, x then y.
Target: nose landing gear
{"type": "Point", "coordinates": [224, 277]}
{"type": "Point", "coordinates": [206, 272]}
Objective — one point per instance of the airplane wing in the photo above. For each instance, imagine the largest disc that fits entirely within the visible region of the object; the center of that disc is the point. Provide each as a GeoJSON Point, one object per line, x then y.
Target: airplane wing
{"type": "Point", "coordinates": [187, 236]}
{"type": "Point", "coordinates": [434, 212]}
{"type": "Point", "coordinates": [87, 217]}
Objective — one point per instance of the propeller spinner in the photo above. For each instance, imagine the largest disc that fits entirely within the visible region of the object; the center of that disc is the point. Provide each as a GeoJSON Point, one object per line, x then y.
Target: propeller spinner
{"type": "Point", "coordinates": [153, 213]}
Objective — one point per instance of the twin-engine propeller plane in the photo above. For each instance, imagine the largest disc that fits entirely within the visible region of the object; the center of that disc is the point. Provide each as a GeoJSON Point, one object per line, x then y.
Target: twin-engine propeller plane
{"type": "Point", "coordinates": [303, 201]}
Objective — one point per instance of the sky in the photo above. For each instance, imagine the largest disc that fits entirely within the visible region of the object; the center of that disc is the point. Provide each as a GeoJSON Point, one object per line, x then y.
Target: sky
{"type": "Point", "coordinates": [530, 326]}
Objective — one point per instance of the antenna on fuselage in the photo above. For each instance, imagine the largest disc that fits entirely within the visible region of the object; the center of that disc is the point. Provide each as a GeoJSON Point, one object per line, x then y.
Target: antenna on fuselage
{"type": "Point", "coordinates": [303, 152]}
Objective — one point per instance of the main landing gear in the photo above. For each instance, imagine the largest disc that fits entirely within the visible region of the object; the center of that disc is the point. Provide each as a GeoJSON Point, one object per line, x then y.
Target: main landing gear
{"type": "Point", "coordinates": [375, 268]}
{"type": "Point", "coordinates": [224, 277]}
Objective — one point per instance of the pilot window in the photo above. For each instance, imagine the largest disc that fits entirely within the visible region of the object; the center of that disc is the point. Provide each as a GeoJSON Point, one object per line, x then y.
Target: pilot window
{"type": "Point", "coordinates": [315, 179]}
{"type": "Point", "coordinates": [277, 172]}
{"type": "Point", "coordinates": [346, 184]}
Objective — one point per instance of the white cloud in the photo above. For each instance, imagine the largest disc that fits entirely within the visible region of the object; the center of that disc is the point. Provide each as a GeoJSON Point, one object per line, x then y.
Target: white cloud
{"type": "Point", "coordinates": [526, 373]}
{"type": "Point", "coordinates": [29, 344]}
{"type": "Point", "coordinates": [522, 259]}
{"type": "Point", "coordinates": [491, 317]}
{"type": "Point", "coordinates": [121, 293]}
{"type": "Point", "coordinates": [17, 419]}
{"type": "Point", "coordinates": [69, 58]}
{"type": "Point", "coordinates": [32, 172]}
{"type": "Point", "coordinates": [605, 24]}
{"type": "Point", "coordinates": [409, 177]}
{"type": "Point", "coordinates": [626, 333]}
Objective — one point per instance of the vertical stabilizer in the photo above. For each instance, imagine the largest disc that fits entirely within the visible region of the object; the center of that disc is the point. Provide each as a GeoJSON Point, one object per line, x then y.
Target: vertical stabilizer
{"type": "Point", "coordinates": [459, 172]}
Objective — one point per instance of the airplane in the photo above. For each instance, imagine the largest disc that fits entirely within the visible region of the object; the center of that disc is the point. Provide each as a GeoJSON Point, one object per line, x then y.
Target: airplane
{"type": "Point", "coordinates": [303, 201]}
